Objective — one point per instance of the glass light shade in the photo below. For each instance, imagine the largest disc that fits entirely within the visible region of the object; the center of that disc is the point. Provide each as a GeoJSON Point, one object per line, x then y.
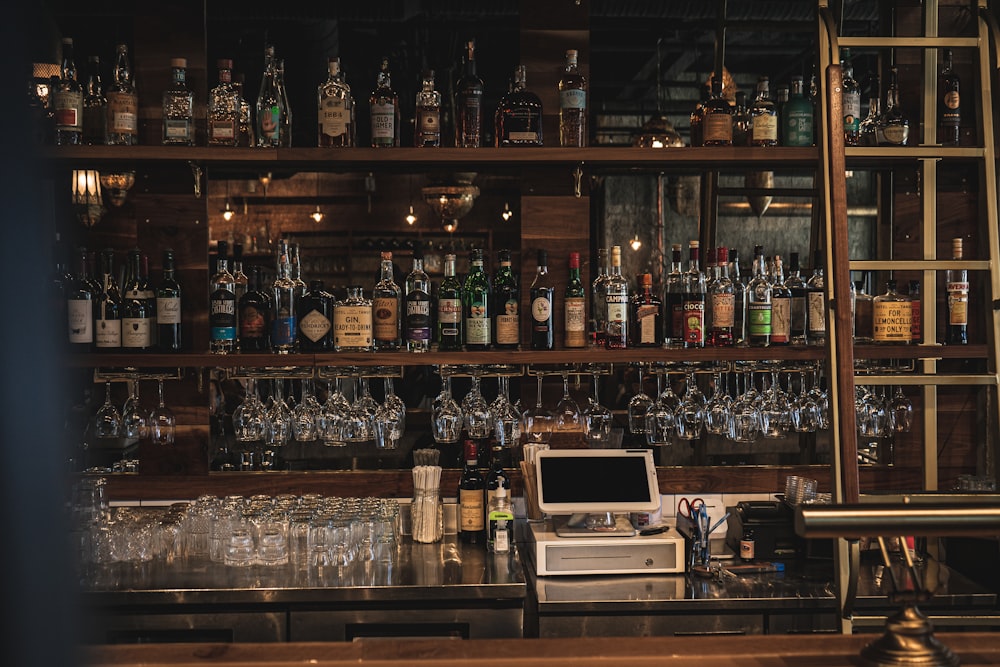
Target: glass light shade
{"type": "Point", "coordinates": [88, 203]}
{"type": "Point", "coordinates": [117, 185]}
{"type": "Point", "coordinates": [657, 132]}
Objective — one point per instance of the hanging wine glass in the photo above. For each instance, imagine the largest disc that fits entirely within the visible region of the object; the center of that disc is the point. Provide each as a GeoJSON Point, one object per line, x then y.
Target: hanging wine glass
{"type": "Point", "coordinates": [506, 417]}
{"type": "Point", "coordinates": [774, 410]}
{"type": "Point", "coordinates": [133, 416]}
{"type": "Point", "coordinates": [478, 420]}
{"type": "Point", "coordinates": [305, 415]}
{"type": "Point", "coordinates": [901, 410]}
{"type": "Point", "coordinates": [690, 414]}
{"type": "Point", "coordinates": [250, 417]}
{"type": "Point", "coordinates": [597, 418]}
{"type": "Point", "coordinates": [718, 412]}
{"type": "Point", "coordinates": [358, 424]}
{"type": "Point", "coordinates": [390, 419]}
{"type": "Point", "coordinates": [804, 412]}
{"type": "Point", "coordinates": [567, 410]}
{"type": "Point", "coordinates": [394, 402]}
{"type": "Point", "coordinates": [820, 397]}
{"type": "Point", "coordinates": [637, 407]}
{"type": "Point", "coordinates": [446, 414]}
{"type": "Point", "coordinates": [537, 422]}
{"type": "Point", "coordinates": [659, 418]}
{"type": "Point", "coordinates": [162, 423]}
{"type": "Point", "coordinates": [333, 414]}
{"type": "Point", "coordinates": [745, 424]}
{"type": "Point", "coordinates": [107, 421]}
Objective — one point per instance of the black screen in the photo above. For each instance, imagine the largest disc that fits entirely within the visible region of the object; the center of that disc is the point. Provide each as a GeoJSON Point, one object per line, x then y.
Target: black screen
{"type": "Point", "coordinates": [594, 479]}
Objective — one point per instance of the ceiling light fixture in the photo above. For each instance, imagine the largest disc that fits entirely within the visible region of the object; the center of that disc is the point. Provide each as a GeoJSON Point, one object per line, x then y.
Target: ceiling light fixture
{"type": "Point", "coordinates": [317, 215]}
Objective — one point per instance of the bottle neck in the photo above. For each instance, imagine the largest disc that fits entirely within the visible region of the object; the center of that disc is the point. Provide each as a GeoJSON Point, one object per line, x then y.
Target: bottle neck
{"type": "Point", "coordinates": [449, 268]}
{"type": "Point", "coordinates": [386, 269]}
{"type": "Point", "coordinates": [180, 76]}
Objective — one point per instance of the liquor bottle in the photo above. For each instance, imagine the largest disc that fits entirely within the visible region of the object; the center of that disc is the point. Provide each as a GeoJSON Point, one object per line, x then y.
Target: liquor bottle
{"type": "Point", "coordinates": [294, 257]}
{"type": "Point", "coordinates": [315, 318]}
{"type": "Point", "coordinates": [255, 316]}
{"type": "Point", "coordinates": [95, 105]}
{"type": "Point", "coordinates": [427, 126]}
{"type": "Point", "coordinates": [500, 523]}
{"type": "Point", "coordinates": [916, 313]}
{"type": "Point", "coordinates": [352, 322]}
{"type": "Point", "coordinates": [285, 299]}
{"type": "Point", "coordinates": [674, 300]}
{"type": "Point", "coordinates": [698, 118]}
{"type": "Point", "coordinates": [781, 306]}
{"type": "Point", "coordinates": [739, 299]}
{"type": "Point", "coordinates": [240, 279]}
{"type": "Point", "coordinates": [476, 304]}
{"type": "Point", "coordinates": [748, 545]}
{"type": "Point", "coordinates": [541, 294]}
{"type": "Point", "coordinates": [384, 110]}
{"type": "Point", "coordinates": [763, 117]}
{"type": "Point", "coordinates": [797, 118]}
{"type": "Point", "coordinates": [108, 307]}
{"type": "Point", "coordinates": [868, 128]}
{"type": "Point", "coordinates": [245, 135]}
{"type": "Point", "coordinates": [893, 316]}
{"type": "Point", "coordinates": [269, 111]}
{"type": "Point", "coordinates": [957, 288]}
{"type": "Point", "coordinates": [222, 305]}
{"type": "Point", "coordinates": [80, 300]}
{"type": "Point", "coordinates": [759, 302]}
{"type": "Point", "coordinates": [138, 307]}
{"type": "Point", "coordinates": [646, 315]}
{"type": "Point", "coordinates": [850, 99]}
{"type": "Point", "coordinates": [96, 283]}
{"type": "Point", "coordinates": [693, 304]}
{"type": "Point", "coordinates": [506, 305]}
{"type": "Point", "coordinates": [723, 303]}
{"type": "Point", "coordinates": [797, 286]}
{"type": "Point", "coordinates": [816, 303]}
{"type": "Point", "coordinates": [168, 307]}
{"type": "Point", "coordinates": [893, 127]}
{"type": "Point", "coordinates": [741, 121]}
{"type": "Point", "coordinates": [417, 322]}
{"type": "Point", "coordinates": [449, 308]}
{"type": "Point", "coordinates": [574, 306]}
{"type": "Point", "coordinates": [598, 309]}
{"type": "Point", "coordinates": [387, 307]}
{"type": "Point", "coordinates": [616, 304]}
{"type": "Point", "coordinates": [471, 499]}
{"type": "Point", "coordinates": [285, 127]}
{"type": "Point", "coordinates": [717, 122]}
{"type": "Point", "coordinates": [224, 108]}
{"type": "Point", "coordinates": [336, 109]}
{"type": "Point", "coordinates": [178, 107]}
{"type": "Point", "coordinates": [469, 102]}
{"type": "Point", "coordinates": [864, 313]}
{"type": "Point", "coordinates": [949, 104]}
{"type": "Point", "coordinates": [519, 115]}
{"type": "Point", "coordinates": [572, 104]}
{"type": "Point", "coordinates": [67, 100]}
{"type": "Point", "coordinates": [123, 104]}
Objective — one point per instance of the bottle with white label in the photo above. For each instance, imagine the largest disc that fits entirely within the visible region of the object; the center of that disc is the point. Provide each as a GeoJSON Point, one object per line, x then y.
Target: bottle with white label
{"type": "Point", "coordinates": [542, 337]}
{"type": "Point", "coordinates": [957, 287]}
{"type": "Point", "coordinates": [572, 104]}
{"type": "Point", "coordinates": [222, 305]}
{"type": "Point", "coordinates": [476, 305]}
{"type": "Point", "coordinates": [108, 307]}
{"type": "Point", "coordinates": [352, 322]}
{"type": "Point", "coordinates": [336, 109]}
{"type": "Point", "coordinates": [384, 110]}
{"type": "Point", "coordinates": [616, 304]}
{"type": "Point", "coordinates": [575, 306]}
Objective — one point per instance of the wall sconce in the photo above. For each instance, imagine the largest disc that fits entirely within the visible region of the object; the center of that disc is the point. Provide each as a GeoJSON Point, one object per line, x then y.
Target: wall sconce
{"type": "Point", "coordinates": [410, 217]}
{"type": "Point", "coordinates": [228, 212]}
{"type": "Point", "coordinates": [87, 200]}
{"type": "Point", "coordinates": [317, 215]}
{"type": "Point", "coordinates": [117, 185]}
{"type": "Point", "coordinates": [635, 243]}
{"type": "Point", "coordinates": [506, 214]}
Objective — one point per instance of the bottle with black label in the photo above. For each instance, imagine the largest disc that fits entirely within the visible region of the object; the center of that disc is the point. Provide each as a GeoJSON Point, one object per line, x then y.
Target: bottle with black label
{"type": "Point", "coordinates": [255, 316]}
{"type": "Point", "coordinates": [471, 498]}
{"type": "Point", "coordinates": [797, 286]}
{"type": "Point", "coordinates": [674, 299]}
{"type": "Point", "coordinates": [417, 314]}
{"type": "Point", "coordinates": [222, 305]}
{"type": "Point", "coordinates": [315, 316]}
{"type": "Point", "coordinates": [449, 308]}
{"type": "Point", "coordinates": [541, 306]}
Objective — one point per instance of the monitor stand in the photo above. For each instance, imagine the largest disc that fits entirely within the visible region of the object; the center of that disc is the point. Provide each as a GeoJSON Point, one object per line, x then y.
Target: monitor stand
{"type": "Point", "coordinates": [603, 524]}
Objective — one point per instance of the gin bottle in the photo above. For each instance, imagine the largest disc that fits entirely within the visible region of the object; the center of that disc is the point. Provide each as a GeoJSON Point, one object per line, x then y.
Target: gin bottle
{"type": "Point", "coordinates": [384, 110]}
{"type": "Point", "coordinates": [427, 129]}
{"type": "Point", "coordinates": [519, 115]}
{"type": "Point", "coordinates": [572, 104]}
{"type": "Point", "coordinates": [352, 322]}
{"type": "Point", "coordinates": [759, 302]}
{"type": "Point", "coordinates": [797, 117]}
{"type": "Point", "coordinates": [67, 100]}
{"type": "Point", "coordinates": [469, 102]}
{"type": "Point", "coordinates": [336, 109]}
{"type": "Point", "coordinates": [95, 106]}
{"type": "Point", "coordinates": [598, 312]}
{"type": "Point", "coordinates": [123, 104]}
{"type": "Point", "coordinates": [178, 107]}
{"type": "Point", "coordinates": [315, 315]}
{"type": "Point", "coordinates": [223, 108]}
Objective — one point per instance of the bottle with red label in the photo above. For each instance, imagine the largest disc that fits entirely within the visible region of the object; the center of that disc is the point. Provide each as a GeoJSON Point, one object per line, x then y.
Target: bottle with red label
{"type": "Point", "coordinates": [646, 314]}
{"type": "Point", "coordinates": [694, 300]}
{"type": "Point", "coordinates": [957, 288]}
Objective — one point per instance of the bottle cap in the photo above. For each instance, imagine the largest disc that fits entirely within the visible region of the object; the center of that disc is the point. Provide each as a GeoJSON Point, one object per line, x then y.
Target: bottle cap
{"type": "Point", "coordinates": [179, 63]}
{"type": "Point", "coordinates": [224, 63]}
{"type": "Point", "coordinates": [501, 491]}
{"type": "Point", "coordinates": [721, 256]}
{"type": "Point", "coordinates": [386, 255]}
{"type": "Point", "coordinates": [574, 260]}
{"type": "Point", "coordinates": [646, 280]}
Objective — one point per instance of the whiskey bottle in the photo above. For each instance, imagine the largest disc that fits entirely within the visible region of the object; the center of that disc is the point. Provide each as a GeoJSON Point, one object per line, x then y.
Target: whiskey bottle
{"type": "Point", "coordinates": [417, 320]}
{"type": "Point", "coordinates": [616, 304]}
{"type": "Point", "coordinates": [674, 300]}
{"type": "Point", "coordinates": [178, 107]}
{"type": "Point", "coordinates": [816, 303]}
{"type": "Point", "coordinates": [722, 300]}
{"type": "Point", "coordinates": [352, 322]}
{"type": "Point", "coordinates": [449, 308]}
{"type": "Point", "coordinates": [763, 117]}
{"type": "Point", "coordinates": [574, 306]}
{"type": "Point", "coordinates": [108, 307]}
{"type": "Point", "coordinates": [315, 319]}
{"type": "Point", "coordinates": [387, 307]}
{"type": "Point", "coordinates": [255, 310]}
{"type": "Point", "coordinates": [506, 305]}
{"type": "Point", "coordinates": [138, 307]}
{"type": "Point", "coordinates": [123, 104]}
{"type": "Point", "coordinates": [542, 335]}
{"type": "Point", "coordinates": [572, 104]}
{"type": "Point", "coordinates": [224, 108]}
{"type": "Point", "coordinates": [598, 309]}
{"type": "Point", "coordinates": [646, 315]}
{"type": "Point", "coordinates": [781, 306]}
{"type": "Point", "coordinates": [427, 128]}
{"type": "Point", "coordinates": [957, 288]}
{"type": "Point", "coordinates": [80, 300]}
{"type": "Point", "coordinates": [892, 321]}
{"type": "Point", "coordinates": [67, 100]}
{"type": "Point", "coordinates": [759, 302]}
{"type": "Point", "coordinates": [797, 287]}
{"type": "Point", "coordinates": [469, 102]}
{"type": "Point", "coordinates": [476, 305]}
{"type": "Point", "coordinates": [269, 108]}
{"type": "Point", "coordinates": [893, 127]}
{"type": "Point", "coordinates": [95, 105]}
{"type": "Point", "coordinates": [471, 499]}
{"type": "Point", "coordinates": [717, 123]}
{"type": "Point", "coordinates": [284, 300]}
{"type": "Point", "coordinates": [797, 117]}
{"type": "Point", "coordinates": [336, 109]}
{"type": "Point", "coordinates": [384, 106]}
{"type": "Point", "coordinates": [222, 305]}
{"type": "Point", "coordinates": [168, 307]}
{"type": "Point", "coordinates": [851, 100]}
{"type": "Point", "coordinates": [694, 300]}
{"type": "Point", "coordinates": [949, 104]}
{"type": "Point", "coordinates": [519, 116]}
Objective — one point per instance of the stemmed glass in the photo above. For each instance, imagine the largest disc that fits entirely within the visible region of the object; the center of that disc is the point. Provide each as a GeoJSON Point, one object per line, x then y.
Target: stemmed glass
{"type": "Point", "coordinates": [162, 423]}
{"type": "Point", "coordinates": [357, 426]}
{"type": "Point", "coordinates": [446, 415]}
{"type": "Point", "coordinates": [901, 411]}
{"type": "Point", "coordinates": [822, 401]}
{"type": "Point", "coordinates": [689, 417]}
{"type": "Point", "coordinates": [637, 407]}
{"type": "Point", "coordinates": [133, 417]}
{"type": "Point", "coordinates": [537, 422]}
{"type": "Point", "coordinates": [567, 409]}
{"type": "Point", "coordinates": [597, 418]}
{"type": "Point", "coordinates": [659, 418]}
{"type": "Point", "coordinates": [718, 411]}
{"type": "Point", "coordinates": [279, 417]}
{"type": "Point", "coordinates": [305, 415]}
{"type": "Point", "coordinates": [333, 415]}
{"type": "Point", "coordinates": [478, 420]}
{"type": "Point", "coordinates": [506, 416]}
{"type": "Point", "coordinates": [774, 410]}
{"type": "Point", "coordinates": [390, 419]}
{"type": "Point", "coordinates": [744, 426]}
{"type": "Point", "coordinates": [107, 421]}
{"type": "Point", "coordinates": [804, 412]}
{"type": "Point", "coordinates": [250, 418]}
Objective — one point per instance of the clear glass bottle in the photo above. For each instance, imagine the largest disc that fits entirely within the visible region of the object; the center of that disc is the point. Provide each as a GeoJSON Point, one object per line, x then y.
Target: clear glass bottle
{"type": "Point", "coordinates": [417, 322]}
{"type": "Point", "coordinates": [123, 104]}
{"type": "Point", "coordinates": [224, 108]}
{"type": "Point", "coordinates": [797, 286]}
{"type": "Point", "coordinates": [178, 107]}
{"type": "Point", "coordinates": [616, 301]}
{"type": "Point", "coordinates": [245, 137]}
{"type": "Point", "coordinates": [957, 289]}
{"type": "Point", "coordinates": [892, 319]}
{"type": "Point", "coordinates": [868, 128]}
{"type": "Point", "coordinates": [541, 298]}
{"type": "Point", "coordinates": [284, 299]}
{"type": "Point", "coordinates": [352, 322]}
{"type": "Point", "coordinates": [285, 128]}
{"type": "Point", "coordinates": [336, 109]}
{"type": "Point", "coordinates": [469, 102]}
{"type": "Point", "coordinates": [95, 105]}
{"type": "Point", "coordinates": [816, 303]}
{"type": "Point", "coordinates": [717, 123]}
{"type": "Point", "coordinates": [476, 304]}
{"type": "Point", "coordinates": [740, 299]}
{"type": "Point", "coordinates": [863, 313]}
{"type": "Point", "coordinates": [519, 115]}
{"type": "Point", "coordinates": [781, 305]}
{"type": "Point", "coordinates": [574, 306]}
{"type": "Point", "coordinates": [797, 117]}
{"type": "Point", "coordinates": [222, 304]}
{"type": "Point", "coordinates": [67, 100]}
{"type": "Point", "coordinates": [427, 125]}
{"type": "Point", "coordinates": [294, 254]}
{"type": "Point", "coordinates": [722, 300]}
{"type": "Point", "coordinates": [449, 308]}
{"type": "Point", "coordinates": [572, 104]}
{"type": "Point", "coordinates": [673, 334]}
{"type": "Point", "coordinates": [764, 117]}
{"type": "Point", "coordinates": [851, 100]}
{"type": "Point", "coordinates": [387, 307]}
{"type": "Point", "coordinates": [269, 111]}
{"type": "Point", "coordinates": [384, 110]}
{"type": "Point", "coordinates": [598, 312]}
{"type": "Point", "coordinates": [646, 315]}
{"type": "Point", "coordinates": [108, 307]}
{"type": "Point", "coordinates": [949, 103]}
{"type": "Point", "coordinates": [759, 302]}
{"type": "Point", "coordinates": [506, 304]}
{"type": "Point", "coordinates": [694, 299]}
{"type": "Point", "coordinates": [893, 126]}
{"type": "Point", "coordinates": [741, 121]}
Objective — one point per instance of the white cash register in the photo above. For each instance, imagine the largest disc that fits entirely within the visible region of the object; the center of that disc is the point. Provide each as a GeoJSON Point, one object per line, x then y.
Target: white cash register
{"type": "Point", "coordinates": [587, 495]}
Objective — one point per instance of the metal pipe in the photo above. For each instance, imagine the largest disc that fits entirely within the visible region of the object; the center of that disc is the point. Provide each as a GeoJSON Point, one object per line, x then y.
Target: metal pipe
{"type": "Point", "coordinates": [927, 520]}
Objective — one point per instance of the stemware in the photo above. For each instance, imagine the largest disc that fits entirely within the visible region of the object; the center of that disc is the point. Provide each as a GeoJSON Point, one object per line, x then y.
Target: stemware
{"type": "Point", "coordinates": [718, 412]}
{"type": "Point", "coordinates": [804, 413]}
{"type": "Point", "coordinates": [478, 420]}
{"type": "Point", "coordinates": [567, 410]}
{"type": "Point", "coordinates": [506, 417]}
{"type": "Point", "coordinates": [446, 414]}
{"type": "Point", "coordinates": [775, 410]}
{"type": "Point", "coordinates": [689, 417]}
{"type": "Point", "coordinates": [659, 418]}
{"type": "Point", "coordinates": [822, 400]}
{"type": "Point", "coordinates": [901, 411]}
{"type": "Point", "coordinates": [597, 418]}
{"type": "Point", "coordinates": [745, 423]}
{"type": "Point", "coordinates": [162, 423]}
{"type": "Point", "coordinates": [250, 417]}
{"type": "Point", "coordinates": [333, 414]}
{"type": "Point", "coordinates": [637, 407]}
{"type": "Point", "coordinates": [305, 415]}
{"type": "Point", "coordinates": [537, 422]}
{"type": "Point", "coordinates": [279, 417]}
{"type": "Point", "coordinates": [389, 421]}
{"type": "Point", "coordinates": [133, 416]}
{"type": "Point", "coordinates": [107, 421]}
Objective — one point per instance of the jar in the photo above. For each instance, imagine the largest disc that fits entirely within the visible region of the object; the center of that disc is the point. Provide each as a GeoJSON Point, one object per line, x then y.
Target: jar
{"type": "Point", "coordinates": [427, 515]}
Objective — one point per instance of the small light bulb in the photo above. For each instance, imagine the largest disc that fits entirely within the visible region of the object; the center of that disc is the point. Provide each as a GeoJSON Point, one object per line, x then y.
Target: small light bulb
{"type": "Point", "coordinates": [228, 212]}
{"type": "Point", "coordinates": [317, 215]}
{"type": "Point", "coordinates": [410, 218]}
{"type": "Point", "coordinates": [506, 214]}
{"type": "Point", "coordinates": [450, 226]}
{"type": "Point", "coordinates": [635, 243]}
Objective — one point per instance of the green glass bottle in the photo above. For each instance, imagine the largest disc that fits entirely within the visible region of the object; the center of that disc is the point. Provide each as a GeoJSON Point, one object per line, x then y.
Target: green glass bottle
{"type": "Point", "coordinates": [476, 305]}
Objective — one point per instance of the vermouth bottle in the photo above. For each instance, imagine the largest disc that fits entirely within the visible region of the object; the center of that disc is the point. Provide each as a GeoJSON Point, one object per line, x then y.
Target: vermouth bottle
{"type": "Point", "coordinates": [427, 126]}
{"type": "Point", "coordinates": [67, 100]}
{"type": "Point", "coordinates": [449, 308]}
{"type": "Point", "coordinates": [781, 306]}
{"type": "Point", "coordinates": [255, 316]}
{"type": "Point", "coordinates": [759, 303]}
{"type": "Point", "coordinates": [95, 105]}
{"type": "Point", "coordinates": [469, 102]}
{"type": "Point", "coordinates": [575, 306]}
{"type": "Point", "coordinates": [519, 115]}
{"type": "Point", "coordinates": [476, 305]}
{"type": "Point", "coordinates": [284, 297]}
{"type": "Point", "coordinates": [222, 305]}
{"type": "Point", "coordinates": [178, 107]}
{"type": "Point", "coordinates": [722, 303]}
{"type": "Point", "coordinates": [816, 302]}
{"type": "Point", "coordinates": [315, 319]}
{"type": "Point", "coordinates": [123, 104]}
{"type": "Point", "coordinates": [506, 305]}
{"type": "Point", "coordinates": [541, 294]}
{"type": "Point", "coordinates": [387, 308]}
{"type": "Point", "coordinates": [384, 110]}
{"type": "Point", "coordinates": [108, 307]}
{"type": "Point", "coordinates": [336, 109]}
{"type": "Point", "coordinates": [168, 307]}
{"type": "Point", "coordinates": [957, 288]}
{"type": "Point", "coordinates": [223, 108]}
{"type": "Point", "coordinates": [417, 320]}
{"type": "Point", "coordinates": [693, 301]}
{"type": "Point", "coordinates": [572, 104]}
{"type": "Point", "coordinates": [851, 100]}
{"type": "Point", "coordinates": [797, 286]}
{"type": "Point", "coordinates": [949, 103]}
{"type": "Point", "coordinates": [598, 308]}
{"type": "Point", "coordinates": [616, 304]}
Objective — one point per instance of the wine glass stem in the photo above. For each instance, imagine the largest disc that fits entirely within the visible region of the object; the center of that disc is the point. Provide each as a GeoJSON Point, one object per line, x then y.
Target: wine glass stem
{"type": "Point", "coordinates": [538, 403]}
{"type": "Point", "coordinates": [160, 390]}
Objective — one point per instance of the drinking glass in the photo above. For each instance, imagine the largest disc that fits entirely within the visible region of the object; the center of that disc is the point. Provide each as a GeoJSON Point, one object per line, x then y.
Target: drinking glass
{"type": "Point", "coordinates": [305, 415]}
{"type": "Point", "coordinates": [279, 417]}
{"type": "Point", "coordinates": [804, 412]}
{"type": "Point", "coordinates": [394, 402]}
{"type": "Point", "coordinates": [107, 421]}
{"type": "Point", "coordinates": [478, 420]}
{"type": "Point", "coordinates": [506, 416]}
{"type": "Point", "coordinates": [745, 424]}
{"type": "Point", "coordinates": [718, 412]}
{"type": "Point", "coordinates": [389, 421]}
{"type": "Point", "coordinates": [901, 411]}
{"type": "Point", "coordinates": [774, 410]}
{"type": "Point", "coordinates": [822, 400]}
{"type": "Point", "coordinates": [567, 410]}
{"type": "Point", "coordinates": [133, 416]}
{"type": "Point", "coordinates": [250, 418]}
{"type": "Point", "coordinates": [689, 417]}
{"type": "Point", "coordinates": [537, 422]}
{"type": "Point", "coordinates": [162, 423]}
{"type": "Point", "coordinates": [358, 425]}
{"type": "Point", "coordinates": [637, 407]}
{"type": "Point", "coordinates": [333, 415]}
{"type": "Point", "coordinates": [659, 418]}
{"type": "Point", "coordinates": [597, 418]}
{"type": "Point", "coordinates": [446, 415]}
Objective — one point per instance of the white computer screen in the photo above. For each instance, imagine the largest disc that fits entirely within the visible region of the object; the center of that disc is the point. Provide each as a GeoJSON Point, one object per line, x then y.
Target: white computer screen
{"type": "Point", "coordinates": [573, 481]}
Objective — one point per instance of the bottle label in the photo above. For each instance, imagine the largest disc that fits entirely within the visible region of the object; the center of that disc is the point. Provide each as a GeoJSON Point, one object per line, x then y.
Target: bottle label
{"type": "Point", "coordinates": [283, 329]}
{"type": "Point", "coordinates": [500, 527]}
{"type": "Point", "coordinates": [799, 128]}
{"type": "Point", "coordinates": [253, 322]}
{"type": "Point", "coordinates": [573, 98]}
{"type": "Point", "coordinates": [222, 130]}
{"type": "Point", "coordinates": [765, 127]}
{"type": "Point", "coordinates": [222, 316]}
{"type": "Point", "coordinates": [352, 327]}
{"type": "Point", "coordinates": [916, 332]}
{"type": "Point", "coordinates": [509, 329]}
{"type": "Point", "coordinates": [747, 548]}
{"type": "Point", "coordinates": [576, 321]}
{"type": "Point", "coordinates": [759, 319]}
{"type": "Point", "coordinates": [122, 112]}
{"type": "Point", "coordinates": [81, 315]}
{"type": "Point", "coordinates": [852, 111]}
{"type": "Point", "coordinates": [541, 310]}
{"type": "Point", "coordinates": [471, 514]}
{"type": "Point", "coordinates": [136, 332]}
{"type": "Point", "coordinates": [108, 333]}
{"type": "Point", "coordinates": [429, 121]}
{"type": "Point", "coordinates": [334, 117]}
{"type": "Point", "coordinates": [694, 322]}
{"type": "Point", "coordinates": [386, 318]}
{"type": "Point", "coordinates": [723, 311]}
{"type": "Point", "coordinates": [449, 311]}
{"type": "Point", "coordinates": [418, 317]}
{"type": "Point", "coordinates": [816, 313]}
{"type": "Point", "coordinates": [269, 122]}
{"type": "Point", "coordinates": [383, 124]}
{"type": "Point", "coordinates": [314, 325]}
{"type": "Point", "coordinates": [893, 321]}
{"type": "Point", "coordinates": [781, 320]}
{"type": "Point", "coordinates": [477, 329]}
{"type": "Point", "coordinates": [798, 314]}
{"type": "Point", "coordinates": [647, 316]}
{"type": "Point", "coordinates": [177, 128]}
{"type": "Point", "coordinates": [617, 307]}
{"type": "Point", "coordinates": [958, 304]}
{"type": "Point", "coordinates": [951, 113]}
{"type": "Point", "coordinates": [168, 310]}
{"type": "Point", "coordinates": [717, 127]}
{"type": "Point", "coordinates": [68, 107]}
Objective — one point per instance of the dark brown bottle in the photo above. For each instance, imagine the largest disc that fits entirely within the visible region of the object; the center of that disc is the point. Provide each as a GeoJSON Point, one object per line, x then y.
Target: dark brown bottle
{"type": "Point", "coordinates": [315, 317]}
{"type": "Point", "coordinates": [541, 306]}
{"type": "Point", "coordinates": [472, 499]}
{"type": "Point", "coordinates": [646, 315]}
{"type": "Point", "coordinates": [255, 316]}
{"type": "Point", "coordinates": [949, 104]}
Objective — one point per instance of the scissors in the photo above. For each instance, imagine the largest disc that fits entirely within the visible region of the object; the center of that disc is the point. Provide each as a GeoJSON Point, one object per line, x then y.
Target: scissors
{"type": "Point", "coordinates": [689, 508]}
